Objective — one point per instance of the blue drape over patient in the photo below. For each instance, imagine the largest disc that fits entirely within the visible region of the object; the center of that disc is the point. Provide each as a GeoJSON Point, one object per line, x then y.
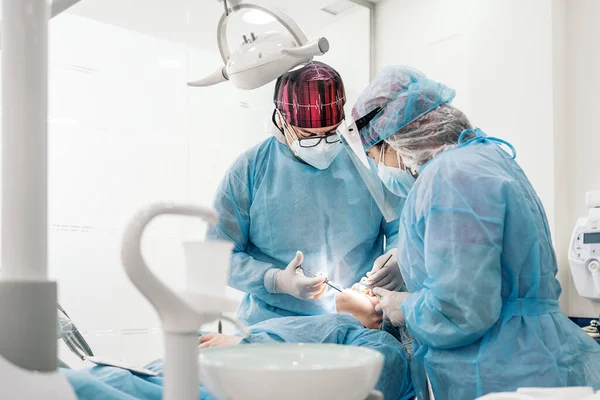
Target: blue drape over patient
{"type": "Point", "coordinates": [108, 383]}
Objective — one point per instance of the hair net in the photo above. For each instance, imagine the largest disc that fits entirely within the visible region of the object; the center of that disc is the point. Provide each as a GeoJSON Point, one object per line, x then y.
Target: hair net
{"type": "Point", "coordinates": [429, 135]}
{"type": "Point", "coordinates": [405, 93]}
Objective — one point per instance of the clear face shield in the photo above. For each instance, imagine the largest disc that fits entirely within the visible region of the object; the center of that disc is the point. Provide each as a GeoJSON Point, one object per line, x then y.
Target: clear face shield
{"type": "Point", "coordinates": [389, 203]}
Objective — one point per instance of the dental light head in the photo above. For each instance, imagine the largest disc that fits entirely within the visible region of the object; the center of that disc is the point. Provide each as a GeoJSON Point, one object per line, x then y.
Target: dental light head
{"type": "Point", "coordinates": [262, 57]}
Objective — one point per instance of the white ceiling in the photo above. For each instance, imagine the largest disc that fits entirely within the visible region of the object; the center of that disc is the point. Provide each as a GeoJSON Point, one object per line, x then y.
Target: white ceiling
{"type": "Point", "coordinates": [193, 22]}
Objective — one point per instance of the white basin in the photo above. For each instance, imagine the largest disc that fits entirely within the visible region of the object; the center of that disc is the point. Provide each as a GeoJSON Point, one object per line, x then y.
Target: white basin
{"type": "Point", "coordinates": [290, 371]}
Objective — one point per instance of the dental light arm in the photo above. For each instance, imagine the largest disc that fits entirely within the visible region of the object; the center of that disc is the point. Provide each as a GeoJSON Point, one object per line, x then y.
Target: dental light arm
{"type": "Point", "coordinates": [316, 47]}
{"type": "Point", "coordinates": [220, 75]}
{"type": "Point", "coordinates": [261, 58]}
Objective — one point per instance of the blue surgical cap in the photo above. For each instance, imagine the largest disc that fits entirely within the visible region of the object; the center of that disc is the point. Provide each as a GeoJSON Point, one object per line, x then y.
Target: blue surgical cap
{"type": "Point", "coordinates": [404, 94]}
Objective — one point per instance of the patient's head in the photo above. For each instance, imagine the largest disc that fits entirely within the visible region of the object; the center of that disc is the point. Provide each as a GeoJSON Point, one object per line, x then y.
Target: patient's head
{"type": "Point", "coordinates": [361, 304]}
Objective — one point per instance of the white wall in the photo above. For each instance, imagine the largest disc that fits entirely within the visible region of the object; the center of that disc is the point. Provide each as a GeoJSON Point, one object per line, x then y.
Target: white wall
{"type": "Point", "coordinates": [582, 138]}
{"type": "Point", "coordinates": [121, 136]}
{"type": "Point", "coordinates": [506, 59]}
{"type": "Point", "coordinates": [501, 75]}
{"type": "Point", "coordinates": [562, 176]}
{"type": "Point", "coordinates": [510, 83]}
{"type": "Point", "coordinates": [429, 35]}
{"type": "Point", "coordinates": [349, 39]}
{"type": "Point", "coordinates": [125, 131]}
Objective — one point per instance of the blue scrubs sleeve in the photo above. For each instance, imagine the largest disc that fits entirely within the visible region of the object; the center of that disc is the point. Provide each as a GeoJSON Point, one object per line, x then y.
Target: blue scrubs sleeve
{"type": "Point", "coordinates": [232, 202]}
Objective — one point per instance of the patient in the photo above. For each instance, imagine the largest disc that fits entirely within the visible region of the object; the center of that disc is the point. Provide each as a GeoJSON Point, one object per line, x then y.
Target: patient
{"type": "Point", "coordinates": [356, 310]}
{"type": "Point", "coordinates": [358, 301]}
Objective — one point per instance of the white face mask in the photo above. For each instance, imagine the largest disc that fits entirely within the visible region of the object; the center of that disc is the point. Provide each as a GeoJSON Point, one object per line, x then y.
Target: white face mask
{"type": "Point", "coordinates": [396, 180]}
{"type": "Point", "coordinates": [321, 156]}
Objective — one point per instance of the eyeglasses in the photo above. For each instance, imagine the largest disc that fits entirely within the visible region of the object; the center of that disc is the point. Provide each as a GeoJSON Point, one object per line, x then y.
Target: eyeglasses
{"type": "Point", "coordinates": [315, 140]}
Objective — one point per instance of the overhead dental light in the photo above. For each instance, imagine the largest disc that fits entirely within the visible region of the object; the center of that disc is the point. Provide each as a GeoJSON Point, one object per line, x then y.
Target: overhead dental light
{"type": "Point", "coordinates": [257, 17]}
{"type": "Point", "coordinates": [263, 57]}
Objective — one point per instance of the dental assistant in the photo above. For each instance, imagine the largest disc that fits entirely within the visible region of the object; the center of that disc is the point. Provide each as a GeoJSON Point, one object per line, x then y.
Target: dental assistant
{"type": "Point", "coordinates": [474, 249]}
{"type": "Point", "coordinates": [294, 199]}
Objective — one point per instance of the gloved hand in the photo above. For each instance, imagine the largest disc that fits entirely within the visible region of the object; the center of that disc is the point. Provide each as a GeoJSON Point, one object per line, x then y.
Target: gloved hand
{"type": "Point", "coordinates": [388, 276]}
{"type": "Point", "coordinates": [389, 305]}
{"type": "Point", "coordinates": [296, 284]}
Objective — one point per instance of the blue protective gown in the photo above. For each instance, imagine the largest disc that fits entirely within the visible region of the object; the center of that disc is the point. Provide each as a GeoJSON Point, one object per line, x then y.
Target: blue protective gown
{"type": "Point", "coordinates": [477, 256]}
{"type": "Point", "coordinates": [271, 205]}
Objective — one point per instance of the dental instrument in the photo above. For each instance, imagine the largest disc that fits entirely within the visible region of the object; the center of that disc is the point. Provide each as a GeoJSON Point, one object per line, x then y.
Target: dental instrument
{"type": "Point", "coordinates": [338, 287]}
{"type": "Point", "coordinates": [262, 57]}
{"type": "Point", "coordinates": [327, 281]}
{"type": "Point", "coordinates": [584, 250]}
{"type": "Point", "coordinates": [71, 336]}
{"type": "Point", "coordinates": [370, 286]}
{"type": "Point", "coordinates": [76, 343]}
{"type": "Point", "coordinates": [386, 261]}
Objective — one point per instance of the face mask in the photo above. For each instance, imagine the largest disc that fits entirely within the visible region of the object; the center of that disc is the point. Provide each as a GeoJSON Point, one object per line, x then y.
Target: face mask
{"type": "Point", "coordinates": [396, 180]}
{"type": "Point", "coordinates": [321, 156]}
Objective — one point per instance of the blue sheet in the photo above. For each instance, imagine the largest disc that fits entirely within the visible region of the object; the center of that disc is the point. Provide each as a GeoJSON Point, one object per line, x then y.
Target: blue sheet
{"type": "Point", "coordinates": [108, 383]}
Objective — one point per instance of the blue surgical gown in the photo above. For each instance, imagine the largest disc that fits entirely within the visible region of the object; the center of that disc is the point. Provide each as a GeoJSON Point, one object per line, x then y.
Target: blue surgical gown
{"type": "Point", "coordinates": [271, 205]}
{"type": "Point", "coordinates": [477, 256]}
